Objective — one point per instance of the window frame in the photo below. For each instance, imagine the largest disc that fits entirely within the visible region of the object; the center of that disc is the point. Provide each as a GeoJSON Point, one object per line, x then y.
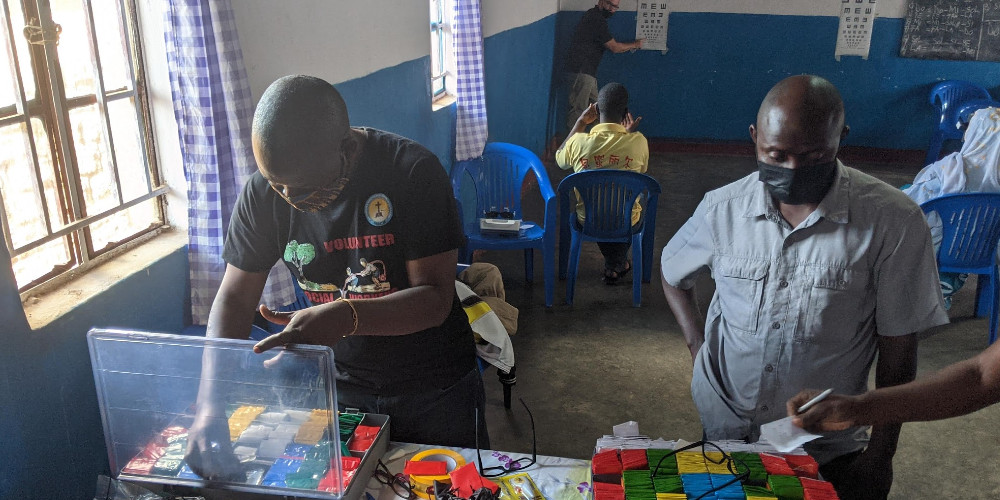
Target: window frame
{"type": "Point", "coordinates": [443, 76]}
{"type": "Point", "coordinates": [52, 107]}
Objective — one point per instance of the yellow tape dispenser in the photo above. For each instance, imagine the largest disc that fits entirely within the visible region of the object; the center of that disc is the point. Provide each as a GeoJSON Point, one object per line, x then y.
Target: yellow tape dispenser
{"type": "Point", "coordinates": [423, 486]}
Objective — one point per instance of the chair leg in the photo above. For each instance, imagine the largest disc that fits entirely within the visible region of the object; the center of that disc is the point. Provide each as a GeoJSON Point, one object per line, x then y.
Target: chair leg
{"type": "Point", "coordinates": [637, 271]}
{"type": "Point", "coordinates": [573, 265]}
{"type": "Point", "coordinates": [549, 273]}
{"type": "Point", "coordinates": [529, 265]}
{"type": "Point", "coordinates": [563, 246]}
{"type": "Point", "coordinates": [984, 302]}
{"type": "Point", "coordinates": [508, 380]}
{"type": "Point", "coordinates": [935, 148]}
{"type": "Point", "coordinates": [994, 303]}
{"type": "Point", "coordinates": [647, 254]}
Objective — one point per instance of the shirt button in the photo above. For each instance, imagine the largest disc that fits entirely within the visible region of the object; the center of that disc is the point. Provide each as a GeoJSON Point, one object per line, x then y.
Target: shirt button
{"type": "Point", "coordinates": [775, 325]}
{"type": "Point", "coordinates": [763, 408]}
{"type": "Point", "coordinates": [783, 284]}
{"type": "Point", "coordinates": [769, 368]}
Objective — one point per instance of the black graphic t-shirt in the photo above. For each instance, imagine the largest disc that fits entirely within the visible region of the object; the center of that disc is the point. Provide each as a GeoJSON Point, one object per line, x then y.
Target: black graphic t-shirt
{"type": "Point", "coordinates": [397, 206]}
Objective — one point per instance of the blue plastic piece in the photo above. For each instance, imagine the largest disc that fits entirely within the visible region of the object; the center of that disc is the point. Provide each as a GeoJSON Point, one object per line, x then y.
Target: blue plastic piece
{"type": "Point", "coordinates": [967, 109]}
{"type": "Point", "coordinates": [608, 197]}
{"type": "Point", "coordinates": [497, 177]}
{"type": "Point", "coordinates": [971, 232]}
{"type": "Point", "coordinates": [948, 96]}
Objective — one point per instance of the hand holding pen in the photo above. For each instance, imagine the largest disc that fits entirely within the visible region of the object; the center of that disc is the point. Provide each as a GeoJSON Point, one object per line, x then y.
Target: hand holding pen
{"type": "Point", "coordinates": [818, 411]}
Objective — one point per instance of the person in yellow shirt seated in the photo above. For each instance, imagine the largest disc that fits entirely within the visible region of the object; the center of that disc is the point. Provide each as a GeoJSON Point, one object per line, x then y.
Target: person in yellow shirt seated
{"type": "Point", "coordinates": [612, 143]}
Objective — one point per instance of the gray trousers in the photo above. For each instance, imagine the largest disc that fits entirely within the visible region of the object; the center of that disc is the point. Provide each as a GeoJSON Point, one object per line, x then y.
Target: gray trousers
{"type": "Point", "coordinates": [582, 92]}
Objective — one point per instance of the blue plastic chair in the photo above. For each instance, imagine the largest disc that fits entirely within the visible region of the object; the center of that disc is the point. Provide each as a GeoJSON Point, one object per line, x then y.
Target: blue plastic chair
{"type": "Point", "coordinates": [971, 232]}
{"type": "Point", "coordinates": [948, 96]}
{"type": "Point", "coordinates": [497, 176]}
{"type": "Point", "coordinates": [608, 197]}
{"type": "Point", "coordinates": [966, 110]}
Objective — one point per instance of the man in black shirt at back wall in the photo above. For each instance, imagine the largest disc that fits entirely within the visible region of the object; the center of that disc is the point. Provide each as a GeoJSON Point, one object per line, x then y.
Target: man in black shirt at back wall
{"type": "Point", "coordinates": [590, 38]}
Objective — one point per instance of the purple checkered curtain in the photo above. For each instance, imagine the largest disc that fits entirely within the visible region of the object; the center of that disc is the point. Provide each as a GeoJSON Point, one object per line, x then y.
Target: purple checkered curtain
{"type": "Point", "coordinates": [470, 127]}
{"type": "Point", "coordinates": [214, 111]}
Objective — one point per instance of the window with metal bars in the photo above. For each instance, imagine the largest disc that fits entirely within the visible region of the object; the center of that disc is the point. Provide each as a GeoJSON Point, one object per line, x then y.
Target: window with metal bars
{"type": "Point", "coordinates": [441, 56]}
{"type": "Point", "coordinates": [77, 172]}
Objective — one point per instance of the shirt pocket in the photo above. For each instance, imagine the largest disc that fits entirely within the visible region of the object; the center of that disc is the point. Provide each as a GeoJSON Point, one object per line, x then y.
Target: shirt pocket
{"type": "Point", "coordinates": [833, 304]}
{"type": "Point", "coordinates": [740, 288]}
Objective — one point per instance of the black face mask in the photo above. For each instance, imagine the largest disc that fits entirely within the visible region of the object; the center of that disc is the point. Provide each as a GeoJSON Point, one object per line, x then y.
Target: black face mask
{"type": "Point", "coordinates": [607, 13]}
{"type": "Point", "coordinates": [799, 186]}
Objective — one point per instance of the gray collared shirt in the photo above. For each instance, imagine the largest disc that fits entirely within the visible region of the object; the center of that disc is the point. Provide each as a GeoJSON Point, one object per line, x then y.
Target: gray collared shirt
{"type": "Point", "coordinates": [800, 307]}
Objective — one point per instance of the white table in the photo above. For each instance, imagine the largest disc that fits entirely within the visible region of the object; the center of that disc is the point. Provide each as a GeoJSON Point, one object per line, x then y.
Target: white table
{"type": "Point", "coordinates": [558, 478]}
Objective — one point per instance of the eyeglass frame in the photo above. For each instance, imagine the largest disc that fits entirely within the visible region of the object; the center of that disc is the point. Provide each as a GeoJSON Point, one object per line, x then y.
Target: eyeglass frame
{"type": "Point", "coordinates": [382, 471]}
{"type": "Point", "coordinates": [513, 465]}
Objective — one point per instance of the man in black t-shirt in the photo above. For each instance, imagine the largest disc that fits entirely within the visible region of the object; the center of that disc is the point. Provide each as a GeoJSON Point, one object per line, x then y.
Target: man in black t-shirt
{"type": "Point", "coordinates": [590, 38]}
{"type": "Point", "coordinates": [367, 223]}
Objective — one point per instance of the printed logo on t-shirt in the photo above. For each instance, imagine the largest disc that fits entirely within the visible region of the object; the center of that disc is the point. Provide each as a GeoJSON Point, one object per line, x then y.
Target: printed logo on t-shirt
{"type": "Point", "coordinates": [378, 209]}
{"type": "Point", "coordinates": [371, 280]}
{"type": "Point", "coordinates": [300, 255]}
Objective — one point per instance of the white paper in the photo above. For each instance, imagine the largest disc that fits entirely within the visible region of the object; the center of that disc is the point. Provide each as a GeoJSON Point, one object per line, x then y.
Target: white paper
{"type": "Point", "coordinates": [651, 25]}
{"type": "Point", "coordinates": [626, 429]}
{"type": "Point", "coordinates": [784, 436]}
{"type": "Point", "coordinates": [854, 35]}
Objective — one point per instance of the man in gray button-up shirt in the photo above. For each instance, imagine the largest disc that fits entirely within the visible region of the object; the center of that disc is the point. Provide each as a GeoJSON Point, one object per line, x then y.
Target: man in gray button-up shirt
{"type": "Point", "coordinates": [817, 267]}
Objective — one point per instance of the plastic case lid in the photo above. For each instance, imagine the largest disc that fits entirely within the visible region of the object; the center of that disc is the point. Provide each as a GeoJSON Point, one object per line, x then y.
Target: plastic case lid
{"type": "Point", "coordinates": [148, 390]}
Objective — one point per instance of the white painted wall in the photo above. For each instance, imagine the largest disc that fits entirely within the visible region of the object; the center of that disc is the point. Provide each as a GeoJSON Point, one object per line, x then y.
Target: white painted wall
{"type": "Point", "coordinates": [335, 41]}
{"type": "Point", "coordinates": [340, 41]}
{"type": "Point", "coordinates": [885, 8]}
{"type": "Point", "coordinates": [502, 15]}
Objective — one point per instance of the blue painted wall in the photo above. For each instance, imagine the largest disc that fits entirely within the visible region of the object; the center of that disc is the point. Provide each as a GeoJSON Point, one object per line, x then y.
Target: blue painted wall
{"type": "Point", "coordinates": [719, 66]}
{"type": "Point", "coordinates": [52, 444]}
{"type": "Point", "coordinates": [519, 72]}
{"type": "Point", "coordinates": [397, 100]}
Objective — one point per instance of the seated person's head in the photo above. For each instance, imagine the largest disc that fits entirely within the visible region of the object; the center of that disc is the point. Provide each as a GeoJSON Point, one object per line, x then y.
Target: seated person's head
{"type": "Point", "coordinates": [612, 103]}
{"type": "Point", "coordinates": [302, 140]}
{"type": "Point", "coordinates": [797, 136]}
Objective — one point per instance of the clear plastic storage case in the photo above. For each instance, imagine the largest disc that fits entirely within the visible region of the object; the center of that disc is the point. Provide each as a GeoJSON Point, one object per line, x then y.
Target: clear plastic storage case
{"type": "Point", "coordinates": [268, 422]}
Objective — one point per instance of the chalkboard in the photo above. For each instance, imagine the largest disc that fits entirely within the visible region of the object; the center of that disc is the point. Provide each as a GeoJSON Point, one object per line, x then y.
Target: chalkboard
{"type": "Point", "coordinates": [952, 29]}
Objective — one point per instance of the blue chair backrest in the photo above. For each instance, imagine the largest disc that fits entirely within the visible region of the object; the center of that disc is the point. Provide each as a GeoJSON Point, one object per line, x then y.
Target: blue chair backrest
{"type": "Point", "coordinates": [498, 176]}
{"type": "Point", "coordinates": [949, 95]}
{"type": "Point", "coordinates": [608, 197]}
{"type": "Point", "coordinates": [969, 108]}
{"type": "Point", "coordinates": [970, 226]}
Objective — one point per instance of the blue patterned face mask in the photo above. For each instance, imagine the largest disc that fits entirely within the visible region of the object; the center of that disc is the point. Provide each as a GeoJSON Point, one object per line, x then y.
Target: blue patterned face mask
{"type": "Point", "coordinates": [803, 185]}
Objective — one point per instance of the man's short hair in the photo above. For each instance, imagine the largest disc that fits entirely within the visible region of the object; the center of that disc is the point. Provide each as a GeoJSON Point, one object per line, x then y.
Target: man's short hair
{"type": "Point", "coordinates": [299, 121]}
{"type": "Point", "coordinates": [612, 102]}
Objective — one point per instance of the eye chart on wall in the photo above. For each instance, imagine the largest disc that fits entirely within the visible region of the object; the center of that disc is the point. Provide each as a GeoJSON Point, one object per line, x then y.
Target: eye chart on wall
{"type": "Point", "coordinates": [651, 25]}
{"type": "Point", "coordinates": [854, 36]}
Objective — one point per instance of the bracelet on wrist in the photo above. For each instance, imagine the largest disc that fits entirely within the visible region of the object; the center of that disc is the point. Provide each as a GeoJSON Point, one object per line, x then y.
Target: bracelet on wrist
{"type": "Point", "coordinates": [354, 316]}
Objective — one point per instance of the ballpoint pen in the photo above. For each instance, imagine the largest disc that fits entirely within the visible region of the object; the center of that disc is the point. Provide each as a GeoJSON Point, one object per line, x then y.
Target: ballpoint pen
{"type": "Point", "coordinates": [813, 401]}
